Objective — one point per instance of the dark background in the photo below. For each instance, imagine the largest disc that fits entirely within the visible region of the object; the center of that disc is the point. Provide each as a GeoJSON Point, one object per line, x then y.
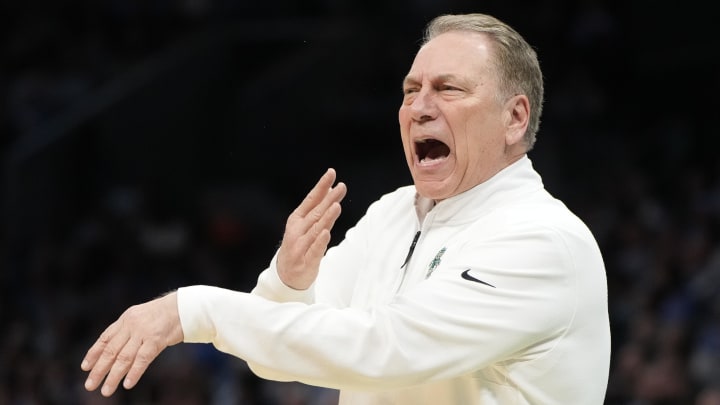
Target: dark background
{"type": "Point", "coordinates": [152, 144]}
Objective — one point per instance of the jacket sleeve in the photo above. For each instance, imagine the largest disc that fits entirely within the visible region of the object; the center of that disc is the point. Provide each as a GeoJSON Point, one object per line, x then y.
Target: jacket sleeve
{"type": "Point", "coordinates": [271, 287]}
{"type": "Point", "coordinates": [336, 278]}
{"type": "Point", "coordinates": [444, 327]}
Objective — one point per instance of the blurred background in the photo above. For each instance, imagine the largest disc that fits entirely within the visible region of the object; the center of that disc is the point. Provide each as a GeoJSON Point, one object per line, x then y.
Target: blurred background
{"type": "Point", "coordinates": [148, 145]}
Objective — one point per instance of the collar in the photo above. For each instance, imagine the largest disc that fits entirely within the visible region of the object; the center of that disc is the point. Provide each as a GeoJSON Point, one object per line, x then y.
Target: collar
{"type": "Point", "coordinates": [509, 184]}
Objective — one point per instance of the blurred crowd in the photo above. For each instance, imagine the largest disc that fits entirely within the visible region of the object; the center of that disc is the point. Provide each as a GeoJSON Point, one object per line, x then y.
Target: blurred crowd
{"type": "Point", "coordinates": [623, 143]}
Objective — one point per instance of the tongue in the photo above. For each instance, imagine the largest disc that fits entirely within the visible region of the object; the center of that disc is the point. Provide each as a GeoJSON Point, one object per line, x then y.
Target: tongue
{"type": "Point", "coordinates": [437, 150]}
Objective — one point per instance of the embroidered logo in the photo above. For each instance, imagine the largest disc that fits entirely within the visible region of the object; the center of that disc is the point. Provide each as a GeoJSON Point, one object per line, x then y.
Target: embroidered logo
{"type": "Point", "coordinates": [435, 262]}
{"type": "Point", "coordinates": [466, 275]}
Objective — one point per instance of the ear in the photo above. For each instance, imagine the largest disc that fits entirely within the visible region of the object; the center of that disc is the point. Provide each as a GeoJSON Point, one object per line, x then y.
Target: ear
{"type": "Point", "coordinates": [517, 111]}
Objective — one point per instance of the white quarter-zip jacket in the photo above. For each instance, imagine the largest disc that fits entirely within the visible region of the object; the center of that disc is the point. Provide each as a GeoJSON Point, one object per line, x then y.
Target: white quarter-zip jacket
{"type": "Point", "coordinates": [502, 300]}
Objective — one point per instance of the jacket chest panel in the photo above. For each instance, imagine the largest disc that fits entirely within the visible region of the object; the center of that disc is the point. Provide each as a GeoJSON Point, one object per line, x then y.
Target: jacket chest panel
{"type": "Point", "coordinates": [384, 276]}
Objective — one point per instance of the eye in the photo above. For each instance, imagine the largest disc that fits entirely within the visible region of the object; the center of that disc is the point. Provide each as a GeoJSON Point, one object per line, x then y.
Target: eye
{"type": "Point", "coordinates": [448, 87]}
{"type": "Point", "coordinates": [410, 90]}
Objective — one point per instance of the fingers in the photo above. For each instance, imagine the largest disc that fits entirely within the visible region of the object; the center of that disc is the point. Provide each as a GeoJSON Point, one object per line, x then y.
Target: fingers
{"type": "Point", "coordinates": [314, 212]}
{"type": "Point", "coordinates": [318, 247]}
{"type": "Point", "coordinates": [128, 346]}
{"type": "Point", "coordinates": [307, 232]}
{"type": "Point", "coordinates": [102, 355]}
{"type": "Point", "coordinates": [317, 193]}
{"type": "Point", "coordinates": [130, 362]}
{"type": "Point", "coordinates": [145, 355]}
{"type": "Point", "coordinates": [330, 215]}
{"type": "Point", "coordinates": [97, 348]}
{"type": "Point", "coordinates": [303, 232]}
{"type": "Point", "coordinates": [317, 212]}
{"type": "Point", "coordinates": [120, 366]}
{"type": "Point", "coordinates": [316, 203]}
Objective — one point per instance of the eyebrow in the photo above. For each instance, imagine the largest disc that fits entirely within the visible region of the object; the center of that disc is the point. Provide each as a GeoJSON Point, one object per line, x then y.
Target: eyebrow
{"type": "Point", "coordinates": [409, 80]}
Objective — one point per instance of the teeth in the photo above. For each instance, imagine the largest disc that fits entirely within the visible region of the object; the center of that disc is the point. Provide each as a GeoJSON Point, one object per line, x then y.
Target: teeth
{"type": "Point", "coordinates": [428, 160]}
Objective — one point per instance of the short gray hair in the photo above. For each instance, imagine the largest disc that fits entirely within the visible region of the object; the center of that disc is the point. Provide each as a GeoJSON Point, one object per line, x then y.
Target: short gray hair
{"type": "Point", "coordinates": [515, 61]}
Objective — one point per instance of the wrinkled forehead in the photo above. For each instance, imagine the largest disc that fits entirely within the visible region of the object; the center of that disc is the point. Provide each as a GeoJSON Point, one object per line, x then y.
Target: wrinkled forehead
{"type": "Point", "coordinates": [455, 52]}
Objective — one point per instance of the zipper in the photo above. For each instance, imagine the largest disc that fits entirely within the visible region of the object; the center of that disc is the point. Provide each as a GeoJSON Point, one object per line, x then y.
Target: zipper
{"type": "Point", "coordinates": [412, 249]}
{"type": "Point", "coordinates": [404, 266]}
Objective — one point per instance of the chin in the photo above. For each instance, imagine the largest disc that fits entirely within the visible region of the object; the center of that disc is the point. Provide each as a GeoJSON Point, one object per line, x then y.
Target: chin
{"type": "Point", "coordinates": [432, 192]}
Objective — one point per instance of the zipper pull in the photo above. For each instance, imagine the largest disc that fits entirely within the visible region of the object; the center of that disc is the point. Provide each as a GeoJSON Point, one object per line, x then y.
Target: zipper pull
{"type": "Point", "coordinates": [412, 249]}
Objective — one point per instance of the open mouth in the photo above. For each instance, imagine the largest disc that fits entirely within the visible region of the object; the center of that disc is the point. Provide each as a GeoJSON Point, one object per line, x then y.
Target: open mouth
{"type": "Point", "coordinates": [431, 149]}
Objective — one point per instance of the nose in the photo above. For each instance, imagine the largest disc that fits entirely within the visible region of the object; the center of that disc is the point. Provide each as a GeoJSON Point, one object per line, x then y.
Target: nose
{"type": "Point", "coordinates": [423, 107]}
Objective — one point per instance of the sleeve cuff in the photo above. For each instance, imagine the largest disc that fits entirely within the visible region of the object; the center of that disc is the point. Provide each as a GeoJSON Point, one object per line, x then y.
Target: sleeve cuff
{"type": "Point", "coordinates": [197, 327]}
{"type": "Point", "coordinates": [271, 287]}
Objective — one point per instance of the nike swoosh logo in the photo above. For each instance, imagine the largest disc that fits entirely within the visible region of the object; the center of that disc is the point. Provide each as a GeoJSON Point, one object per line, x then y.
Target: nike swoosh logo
{"type": "Point", "coordinates": [466, 275]}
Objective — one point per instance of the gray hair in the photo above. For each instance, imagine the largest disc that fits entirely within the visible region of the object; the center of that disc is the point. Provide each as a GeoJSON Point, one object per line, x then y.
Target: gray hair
{"type": "Point", "coordinates": [515, 61]}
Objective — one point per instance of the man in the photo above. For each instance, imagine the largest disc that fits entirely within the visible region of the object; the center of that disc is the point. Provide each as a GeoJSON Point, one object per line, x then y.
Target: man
{"type": "Point", "coordinates": [473, 286]}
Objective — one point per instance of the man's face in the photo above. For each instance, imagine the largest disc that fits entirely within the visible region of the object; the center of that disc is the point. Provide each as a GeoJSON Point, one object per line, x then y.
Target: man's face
{"type": "Point", "coordinates": [454, 128]}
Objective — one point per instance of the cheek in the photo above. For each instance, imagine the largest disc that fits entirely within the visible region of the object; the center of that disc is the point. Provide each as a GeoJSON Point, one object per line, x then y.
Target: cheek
{"type": "Point", "coordinates": [404, 121]}
{"type": "Point", "coordinates": [466, 134]}
{"type": "Point", "coordinates": [476, 141]}
{"type": "Point", "coordinates": [403, 115]}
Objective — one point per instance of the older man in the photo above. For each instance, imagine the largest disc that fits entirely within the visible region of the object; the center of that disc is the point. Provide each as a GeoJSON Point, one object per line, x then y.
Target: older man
{"type": "Point", "coordinates": [471, 286]}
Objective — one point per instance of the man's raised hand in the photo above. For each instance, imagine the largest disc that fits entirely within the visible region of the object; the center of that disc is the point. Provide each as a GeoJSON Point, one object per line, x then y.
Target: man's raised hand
{"type": "Point", "coordinates": [307, 232]}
